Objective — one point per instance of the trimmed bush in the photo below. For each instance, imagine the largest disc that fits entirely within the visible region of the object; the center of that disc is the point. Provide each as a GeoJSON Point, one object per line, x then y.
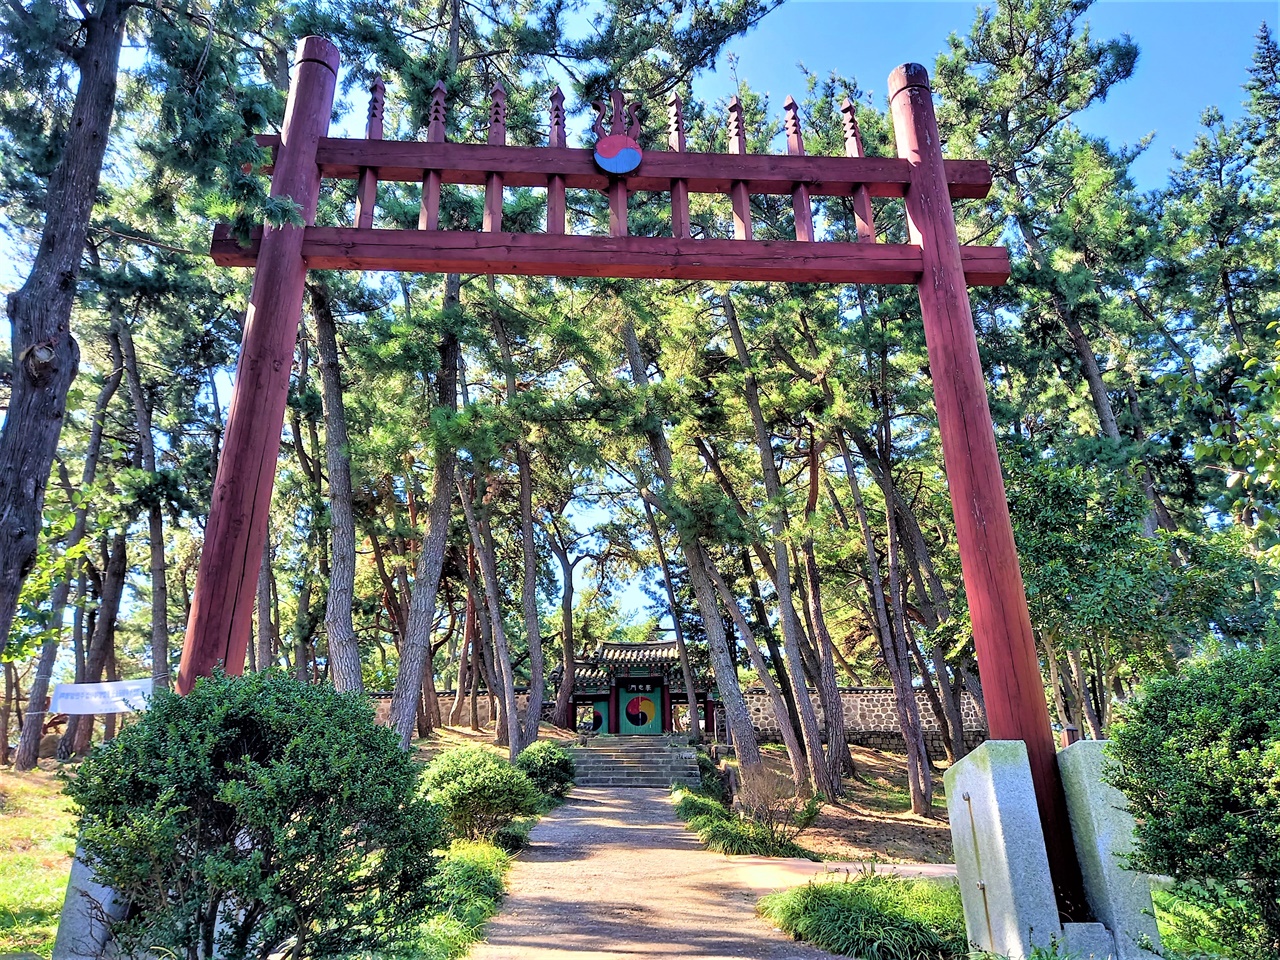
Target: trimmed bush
{"type": "Point", "coordinates": [1197, 755]}
{"type": "Point", "coordinates": [479, 792]}
{"type": "Point", "coordinates": [874, 917]}
{"type": "Point", "coordinates": [550, 767]}
{"type": "Point", "coordinates": [254, 810]}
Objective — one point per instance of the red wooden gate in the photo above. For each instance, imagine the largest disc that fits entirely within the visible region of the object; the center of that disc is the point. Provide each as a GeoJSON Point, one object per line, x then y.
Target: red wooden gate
{"type": "Point", "coordinates": [222, 607]}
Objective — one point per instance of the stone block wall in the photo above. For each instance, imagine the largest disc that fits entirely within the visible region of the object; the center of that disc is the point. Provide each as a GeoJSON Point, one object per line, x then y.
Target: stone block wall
{"type": "Point", "coordinates": [871, 719]}
{"type": "Point", "coordinates": [382, 707]}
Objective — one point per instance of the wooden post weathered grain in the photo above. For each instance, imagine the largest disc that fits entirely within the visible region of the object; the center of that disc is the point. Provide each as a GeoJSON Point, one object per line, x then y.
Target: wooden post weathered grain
{"type": "Point", "coordinates": [367, 185]}
{"type": "Point", "coordinates": [800, 202]}
{"type": "Point", "coordinates": [497, 137]}
{"type": "Point", "coordinates": [863, 217]}
{"type": "Point", "coordinates": [555, 186]}
{"type": "Point", "coordinates": [222, 608]}
{"type": "Point", "coordinates": [738, 194]}
{"type": "Point", "coordinates": [679, 188]}
{"type": "Point", "coordinates": [429, 214]}
{"type": "Point", "coordinates": [1007, 660]}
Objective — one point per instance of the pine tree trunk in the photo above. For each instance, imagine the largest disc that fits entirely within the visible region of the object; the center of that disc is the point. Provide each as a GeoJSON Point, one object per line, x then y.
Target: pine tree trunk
{"type": "Point", "coordinates": [29, 741]}
{"type": "Point", "coordinates": [416, 648]}
{"type": "Point", "coordinates": [686, 670]}
{"type": "Point", "coordinates": [795, 753]}
{"type": "Point", "coordinates": [267, 636]}
{"type": "Point", "coordinates": [482, 537]}
{"type": "Point", "coordinates": [563, 715]}
{"type": "Point", "coordinates": [734, 705]}
{"type": "Point", "coordinates": [75, 741]}
{"type": "Point", "coordinates": [155, 514]}
{"type": "Point", "coordinates": [824, 781]}
{"type": "Point", "coordinates": [529, 553]}
{"type": "Point", "coordinates": [344, 651]}
{"type": "Point", "coordinates": [45, 355]}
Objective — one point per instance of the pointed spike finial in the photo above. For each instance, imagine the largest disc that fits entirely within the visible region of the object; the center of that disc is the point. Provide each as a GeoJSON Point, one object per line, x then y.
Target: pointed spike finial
{"type": "Point", "coordinates": [557, 137]}
{"type": "Point", "coordinates": [675, 123]}
{"type": "Point", "coordinates": [737, 134]}
{"type": "Point", "coordinates": [498, 114]}
{"type": "Point", "coordinates": [377, 104]}
{"type": "Point", "coordinates": [601, 113]}
{"type": "Point", "coordinates": [436, 113]}
{"type": "Point", "coordinates": [633, 120]}
{"type": "Point", "coordinates": [852, 135]}
{"type": "Point", "coordinates": [795, 136]}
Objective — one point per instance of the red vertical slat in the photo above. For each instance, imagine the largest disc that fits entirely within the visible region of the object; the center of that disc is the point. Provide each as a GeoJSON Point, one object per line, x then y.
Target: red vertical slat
{"type": "Point", "coordinates": [429, 215]}
{"type": "Point", "coordinates": [738, 190]}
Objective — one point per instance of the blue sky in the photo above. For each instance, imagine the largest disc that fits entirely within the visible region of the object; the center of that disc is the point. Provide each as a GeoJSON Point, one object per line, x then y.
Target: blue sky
{"type": "Point", "coordinates": [1193, 55]}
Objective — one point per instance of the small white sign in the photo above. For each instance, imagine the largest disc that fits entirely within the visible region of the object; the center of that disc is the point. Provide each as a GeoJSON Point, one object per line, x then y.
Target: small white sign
{"type": "Point", "coordinates": [119, 696]}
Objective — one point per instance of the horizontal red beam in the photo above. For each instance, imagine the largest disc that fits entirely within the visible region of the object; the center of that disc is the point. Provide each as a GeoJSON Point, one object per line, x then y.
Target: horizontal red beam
{"type": "Point", "coordinates": [661, 258]}
{"type": "Point", "coordinates": [405, 160]}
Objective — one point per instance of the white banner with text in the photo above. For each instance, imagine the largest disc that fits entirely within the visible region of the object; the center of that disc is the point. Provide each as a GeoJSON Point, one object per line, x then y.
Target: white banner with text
{"type": "Point", "coordinates": [118, 696]}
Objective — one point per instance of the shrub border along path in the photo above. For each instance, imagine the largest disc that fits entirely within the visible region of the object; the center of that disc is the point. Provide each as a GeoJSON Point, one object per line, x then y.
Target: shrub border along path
{"type": "Point", "coordinates": [614, 875]}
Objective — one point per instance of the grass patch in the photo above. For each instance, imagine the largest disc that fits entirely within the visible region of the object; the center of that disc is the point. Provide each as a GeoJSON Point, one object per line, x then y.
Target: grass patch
{"type": "Point", "coordinates": [36, 848]}
{"type": "Point", "coordinates": [723, 831]}
{"type": "Point", "coordinates": [471, 886]}
{"type": "Point", "coordinates": [874, 917]}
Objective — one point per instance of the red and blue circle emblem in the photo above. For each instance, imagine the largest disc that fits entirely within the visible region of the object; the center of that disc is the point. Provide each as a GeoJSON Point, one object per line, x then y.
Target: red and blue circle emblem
{"type": "Point", "coordinates": [617, 154]}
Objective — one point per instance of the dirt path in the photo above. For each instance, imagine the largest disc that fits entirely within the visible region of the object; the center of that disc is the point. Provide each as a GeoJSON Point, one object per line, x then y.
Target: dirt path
{"type": "Point", "coordinates": [613, 875]}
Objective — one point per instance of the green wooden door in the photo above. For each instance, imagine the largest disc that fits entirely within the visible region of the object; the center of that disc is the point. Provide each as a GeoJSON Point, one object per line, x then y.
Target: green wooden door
{"type": "Point", "coordinates": [640, 710]}
{"type": "Point", "coordinates": [600, 716]}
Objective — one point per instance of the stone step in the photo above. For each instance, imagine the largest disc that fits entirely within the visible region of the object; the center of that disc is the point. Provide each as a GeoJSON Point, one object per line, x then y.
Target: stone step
{"type": "Point", "coordinates": [661, 783]}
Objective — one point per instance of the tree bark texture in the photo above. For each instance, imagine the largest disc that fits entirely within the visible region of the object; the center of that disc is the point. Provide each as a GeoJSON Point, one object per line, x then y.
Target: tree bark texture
{"type": "Point", "coordinates": [75, 739]}
{"type": "Point", "coordinates": [45, 354]}
{"type": "Point", "coordinates": [415, 652]}
{"type": "Point", "coordinates": [723, 666]}
{"type": "Point", "coordinates": [29, 740]}
{"type": "Point", "coordinates": [155, 514]}
{"type": "Point", "coordinates": [344, 651]}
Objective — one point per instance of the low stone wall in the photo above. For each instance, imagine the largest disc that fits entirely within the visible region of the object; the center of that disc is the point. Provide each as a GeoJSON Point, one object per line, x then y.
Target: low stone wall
{"type": "Point", "coordinates": [871, 719]}
{"type": "Point", "coordinates": [382, 707]}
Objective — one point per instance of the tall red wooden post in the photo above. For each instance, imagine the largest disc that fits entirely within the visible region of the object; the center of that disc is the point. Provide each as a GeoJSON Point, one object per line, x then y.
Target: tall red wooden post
{"type": "Point", "coordinates": [1007, 659]}
{"type": "Point", "coordinates": [222, 607]}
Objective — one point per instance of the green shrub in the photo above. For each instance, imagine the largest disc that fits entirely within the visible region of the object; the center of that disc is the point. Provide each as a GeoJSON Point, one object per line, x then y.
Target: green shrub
{"type": "Point", "coordinates": [875, 917]}
{"type": "Point", "coordinates": [549, 765]}
{"type": "Point", "coordinates": [255, 809]}
{"type": "Point", "coordinates": [479, 792]}
{"type": "Point", "coordinates": [514, 837]}
{"type": "Point", "coordinates": [1197, 755]}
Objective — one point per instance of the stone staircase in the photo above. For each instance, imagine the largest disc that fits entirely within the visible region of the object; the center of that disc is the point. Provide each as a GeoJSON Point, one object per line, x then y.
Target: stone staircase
{"type": "Point", "coordinates": [635, 761]}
